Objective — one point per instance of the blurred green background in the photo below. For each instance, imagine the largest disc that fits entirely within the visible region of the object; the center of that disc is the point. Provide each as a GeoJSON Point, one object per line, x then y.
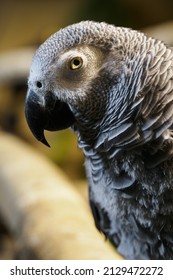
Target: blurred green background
{"type": "Point", "coordinates": [24, 25]}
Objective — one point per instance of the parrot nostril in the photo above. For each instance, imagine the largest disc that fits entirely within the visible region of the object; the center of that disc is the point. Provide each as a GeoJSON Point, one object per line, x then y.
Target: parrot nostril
{"type": "Point", "coordinates": [39, 84]}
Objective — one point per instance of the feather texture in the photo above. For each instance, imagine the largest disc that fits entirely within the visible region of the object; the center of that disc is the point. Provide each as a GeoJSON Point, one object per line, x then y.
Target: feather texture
{"type": "Point", "coordinates": [121, 99]}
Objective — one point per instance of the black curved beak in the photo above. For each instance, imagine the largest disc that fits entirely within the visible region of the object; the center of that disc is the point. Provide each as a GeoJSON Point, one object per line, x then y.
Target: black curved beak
{"type": "Point", "coordinates": [46, 113]}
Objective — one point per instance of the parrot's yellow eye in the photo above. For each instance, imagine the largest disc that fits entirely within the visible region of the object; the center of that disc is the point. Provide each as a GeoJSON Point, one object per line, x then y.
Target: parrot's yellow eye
{"type": "Point", "coordinates": [76, 63]}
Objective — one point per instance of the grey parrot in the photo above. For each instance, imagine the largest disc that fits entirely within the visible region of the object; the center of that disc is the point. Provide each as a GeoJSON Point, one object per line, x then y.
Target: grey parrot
{"type": "Point", "coordinates": [113, 87]}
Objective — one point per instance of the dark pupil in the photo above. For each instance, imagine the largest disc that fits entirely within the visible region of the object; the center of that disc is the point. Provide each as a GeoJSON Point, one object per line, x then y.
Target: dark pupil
{"type": "Point", "coordinates": [39, 84]}
{"type": "Point", "coordinates": [76, 62]}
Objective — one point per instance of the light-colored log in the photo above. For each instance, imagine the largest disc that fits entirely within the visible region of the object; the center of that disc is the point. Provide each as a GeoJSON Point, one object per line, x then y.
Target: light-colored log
{"type": "Point", "coordinates": [43, 209]}
{"type": "Point", "coordinates": [15, 64]}
{"type": "Point", "coordinates": [163, 32]}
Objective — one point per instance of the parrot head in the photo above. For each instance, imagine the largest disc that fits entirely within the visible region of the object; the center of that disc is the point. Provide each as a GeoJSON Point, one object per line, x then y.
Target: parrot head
{"type": "Point", "coordinates": [92, 77]}
{"type": "Point", "coordinates": [71, 79]}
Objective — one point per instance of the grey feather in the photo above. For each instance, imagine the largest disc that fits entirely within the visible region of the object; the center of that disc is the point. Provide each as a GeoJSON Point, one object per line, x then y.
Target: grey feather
{"type": "Point", "coordinates": [119, 102]}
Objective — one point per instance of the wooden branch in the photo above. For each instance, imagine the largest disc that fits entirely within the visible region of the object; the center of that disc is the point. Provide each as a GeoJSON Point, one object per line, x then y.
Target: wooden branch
{"type": "Point", "coordinates": [161, 31]}
{"type": "Point", "coordinates": [15, 64]}
{"type": "Point", "coordinates": [43, 209]}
